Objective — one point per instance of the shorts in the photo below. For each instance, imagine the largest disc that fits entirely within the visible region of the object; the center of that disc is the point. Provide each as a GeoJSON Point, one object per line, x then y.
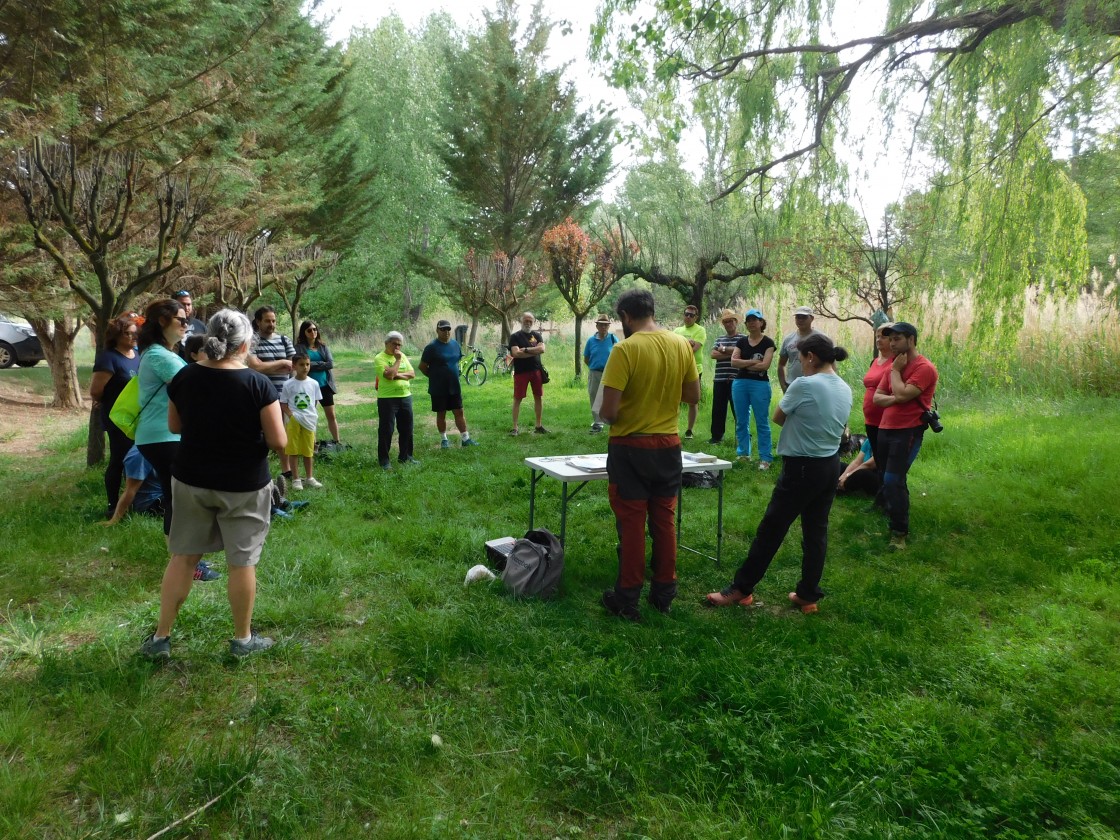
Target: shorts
{"type": "Point", "coordinates": [328, 396]}
{"type": "Point", "coordinates": [522, 381]}
{"type": "Point", "coordinates": [206, 520]}
{"type": "Point", "coordinates": [447, 402]}
{"type": "Point", "coordinates": [301, 441]}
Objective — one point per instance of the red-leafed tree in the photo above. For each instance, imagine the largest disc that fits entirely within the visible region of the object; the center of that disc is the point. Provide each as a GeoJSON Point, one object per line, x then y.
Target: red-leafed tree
{"type": "Point", "coordinates": [582, 270]}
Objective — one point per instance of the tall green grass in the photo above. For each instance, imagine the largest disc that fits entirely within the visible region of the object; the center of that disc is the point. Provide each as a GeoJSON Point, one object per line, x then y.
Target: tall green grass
{"type": "Point", "coordinates": [965, 688]}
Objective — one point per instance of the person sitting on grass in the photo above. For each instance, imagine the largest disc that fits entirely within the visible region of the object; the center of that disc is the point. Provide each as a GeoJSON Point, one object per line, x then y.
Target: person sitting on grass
{"type": "Point", "coordinates": [142, 490]}
{"type": "Point", "coordinates": [297, 401]}
{"type": "Point", "coordinates": [860, 476]}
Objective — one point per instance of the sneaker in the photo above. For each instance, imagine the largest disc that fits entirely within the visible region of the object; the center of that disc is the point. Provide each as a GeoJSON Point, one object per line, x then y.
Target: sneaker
{"type": "Point", "coordinates": [469, 442]}
{"type": "Point", "coordinates": [514, 432]}
{"type": "Point", "coordinates": [445, 444]}
{"type": "Point", "coordinates": [715, 441]}
{"type": "Point", "coordinates": [313, 483]}
{"type": "Point", "coordinates": [203, 572]}
{"type": "Point", "coordinates": [807, 607]}
{"type": "Point", "coordinates": [297, 483]}
{"type": "Point", "coordinates": [596, 428]}
{"type": "Point", "coordinates": [763, 466]}
{"type": "Point", "coordinates": [384, 465]}
{"type": "Point", "coordinates": [727, 597]}
{"type": "Point", "coordinates": [256, 643]}
{"type": "Point", "coordinates": [688, 434]}
{"type": "Point", "coordinates": [410, 460]}
{"type": "Point", "coordinates": [283, 484]}
{"type": "Point", "coordinates": [278, 513]}
{"type": "Point", "coordinates": [155, 649]}
{"type": "Point", "coordinates": [898, 541]}
{"type": "Point", "coordinates": [540, 430]}
{"type": "Point", "coordinates": [297, 505]}
{"type": "Point", "coordinates": [744, 459]}
{"type": "Point", "coordinates": [614, 605]}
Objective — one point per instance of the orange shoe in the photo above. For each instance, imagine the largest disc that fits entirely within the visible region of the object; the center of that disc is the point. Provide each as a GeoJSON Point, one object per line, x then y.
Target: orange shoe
{"type": "Point", "coordinates": [807, 607]}
{"type": "Point", "coordinates": [728, 597]}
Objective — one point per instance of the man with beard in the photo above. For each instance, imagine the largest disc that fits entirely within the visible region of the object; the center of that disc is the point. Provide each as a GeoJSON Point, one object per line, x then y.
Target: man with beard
{"type": "Point", "coordinates": [648, 376]}
{"type": "Point", "coordinates": [270, 353]}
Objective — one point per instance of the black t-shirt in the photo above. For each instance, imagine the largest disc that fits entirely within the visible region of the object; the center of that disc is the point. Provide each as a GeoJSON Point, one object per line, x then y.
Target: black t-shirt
{"type": "Point", "coordinates": [122, 369]}
{"type": "Point", "coordinates": [222, 446]}
{"type": "Point", "coordinates": [525, 340]}
{"type": "Point", "coordinates": [755, 353]}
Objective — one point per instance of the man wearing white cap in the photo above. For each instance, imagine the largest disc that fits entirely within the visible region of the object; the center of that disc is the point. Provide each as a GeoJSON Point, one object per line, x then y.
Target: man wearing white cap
{"type": "Point", "coordinates": [440, 363]}
{"type": "Point", "coordinates": [394, 400]}
{"type": "Point", "coordinates": [789, 360]}
{"type": "Point", "coordinates": [595, 353]}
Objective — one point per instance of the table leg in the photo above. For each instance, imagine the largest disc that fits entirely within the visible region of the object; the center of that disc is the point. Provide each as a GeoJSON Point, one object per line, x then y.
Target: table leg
{"type": "Point", "coordinates": [534, 477]}
{"type": "Point", "coordinates": [719, 518]}
{"type": "Point", "coordinates": [563, 511]}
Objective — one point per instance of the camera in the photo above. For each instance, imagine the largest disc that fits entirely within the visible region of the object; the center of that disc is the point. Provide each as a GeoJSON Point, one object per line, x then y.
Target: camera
{"type": "Point", "coordinates": [932, 419]}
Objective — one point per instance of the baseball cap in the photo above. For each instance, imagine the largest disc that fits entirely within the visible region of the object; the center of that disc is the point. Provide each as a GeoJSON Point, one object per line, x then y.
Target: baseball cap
{"type": "Point", "coordinates": [804, 310]}
{"type": "Point", "coordinates": [182, 293]}
{"type": "Point", "coordinates": [443, 324]}
{"type": "Point", "coordinates": [902, 328]}
{"type": "Point", "coordinates": [727, 315]}
{"type": "Point", "coordinates": [602, 319]}
{"type": "Point", "coordinates": [755, 313]}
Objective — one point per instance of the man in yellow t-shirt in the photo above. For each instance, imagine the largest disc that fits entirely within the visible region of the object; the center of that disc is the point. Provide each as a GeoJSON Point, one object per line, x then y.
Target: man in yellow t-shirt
{"type": "Point", "coordinates": [648, 376]}
{"type": "Point", "coordinates": [696, 335]}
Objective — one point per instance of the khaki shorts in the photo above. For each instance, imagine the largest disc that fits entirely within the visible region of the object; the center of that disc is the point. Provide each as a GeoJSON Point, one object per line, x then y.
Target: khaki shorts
{"type": "Point", "coordinates": [211, 520]}
{"type": "Point", "coordinates": [300, 440]}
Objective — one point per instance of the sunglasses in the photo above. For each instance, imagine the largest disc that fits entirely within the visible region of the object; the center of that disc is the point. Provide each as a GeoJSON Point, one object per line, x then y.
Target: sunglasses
{"type": "Point", "coordinates": [184, 321]}
{"type": "Point", "coordinates": [690, 314]}
{"type": "Point", "coordinates": [443, 329]}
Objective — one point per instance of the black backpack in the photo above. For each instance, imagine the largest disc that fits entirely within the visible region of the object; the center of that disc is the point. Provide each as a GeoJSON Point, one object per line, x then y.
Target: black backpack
{"type": "Point", "coordinates": [535, 565]}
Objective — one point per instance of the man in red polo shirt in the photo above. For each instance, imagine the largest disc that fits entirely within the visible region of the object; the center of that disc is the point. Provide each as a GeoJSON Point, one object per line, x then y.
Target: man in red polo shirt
{"type": "Point", "coordinates": [905, 393]}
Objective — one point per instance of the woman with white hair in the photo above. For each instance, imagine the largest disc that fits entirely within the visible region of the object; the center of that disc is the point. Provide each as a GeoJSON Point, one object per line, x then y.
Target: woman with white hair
{"type": "Point", "coordinates": [394, 374]}
{"type": "Point", "coordinates": [228, 417]}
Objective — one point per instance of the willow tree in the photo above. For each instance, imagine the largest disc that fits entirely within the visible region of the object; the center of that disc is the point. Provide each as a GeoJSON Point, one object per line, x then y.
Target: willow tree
{"type": "Point", "coordinates": [991, 86]}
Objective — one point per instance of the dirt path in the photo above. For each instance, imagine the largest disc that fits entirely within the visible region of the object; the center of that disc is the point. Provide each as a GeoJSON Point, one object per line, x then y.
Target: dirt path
{"type": "Point", "coordinates": [26, 421]}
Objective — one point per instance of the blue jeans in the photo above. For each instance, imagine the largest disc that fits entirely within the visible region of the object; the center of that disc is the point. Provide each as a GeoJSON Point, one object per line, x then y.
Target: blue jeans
{"type": "Point", "coordinates": [899, 449]}
{"type": "Point", "coordinates": [752, 396]}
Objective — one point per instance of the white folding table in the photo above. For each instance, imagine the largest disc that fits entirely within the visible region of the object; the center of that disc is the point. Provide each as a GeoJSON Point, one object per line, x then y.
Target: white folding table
{"type": "Point", "coordinates": [565, 470]}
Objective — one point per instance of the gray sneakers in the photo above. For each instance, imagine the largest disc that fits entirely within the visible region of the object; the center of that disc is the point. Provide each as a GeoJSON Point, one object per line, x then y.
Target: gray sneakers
{"type": "Point", "coordinates": [254, 645]}
{"type": "Point", "coordinates": [156, 649]}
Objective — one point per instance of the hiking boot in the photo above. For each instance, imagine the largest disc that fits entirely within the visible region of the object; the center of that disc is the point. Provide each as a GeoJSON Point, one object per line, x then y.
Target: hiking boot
{"type": "Point", "coordinates": [615, 605]}
{"type": "Point", "coordinates": [313, 483]}
{"type": "Point", "coordinates": [255, 644]}
{"type": "Point", "coordinates": [445, 444]}
{"type": "Point", "coordinates": [715, 441]}
{"type": "Point", "coordinates": [763, 466]}
{"type": "Point", "coordinates": [596, 429]}
{"type": "Point", "coordinates": [807, 607]}
{"type": "Point", "coordinates": [898, 541]}
{"type": "Point", "coordinates": [156, 649]}
{"type": "Point", "coordinates": [297, 483]}
{"type": "Point", "coordinates": [203, 572]}
{"type": "Point", "coordinates": [540, 430]}
{"type": "Point", "coordinates": [688, 434]}
{"type": "Point", "coordinates": [469, 442]}
{"type": "Point", "coordinates": [663, 607]}
{"type": "Point", "coordinates": [384, 465]}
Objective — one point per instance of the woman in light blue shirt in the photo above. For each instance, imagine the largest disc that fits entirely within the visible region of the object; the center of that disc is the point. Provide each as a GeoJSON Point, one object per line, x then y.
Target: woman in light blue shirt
{"type": "Point", "coordinates": [812, 414]}
{"type": "Point", "coordinates": [165, 325]}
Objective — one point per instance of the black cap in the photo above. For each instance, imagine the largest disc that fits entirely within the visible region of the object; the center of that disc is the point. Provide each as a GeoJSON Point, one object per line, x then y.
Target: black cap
{"type": "Point", "coordinates": [902, 328]}
{"type": "Point", "coordinates": [443, 325]}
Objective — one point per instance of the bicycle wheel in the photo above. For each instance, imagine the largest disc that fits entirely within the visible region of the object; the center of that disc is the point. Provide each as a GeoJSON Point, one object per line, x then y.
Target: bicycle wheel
{"type": "Point", "coordinates": [476, 373]}
{"type": "Point", "coordinates": [501, 368]}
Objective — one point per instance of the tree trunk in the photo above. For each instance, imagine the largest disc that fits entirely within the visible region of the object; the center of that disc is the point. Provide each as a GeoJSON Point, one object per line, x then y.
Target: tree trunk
{"type": "Point", "coordinates": [474, 330]}
{"type": "Point", "coordinates": [57, 338]}
{"type": "Point", "coordinates": [579, 355]}
{"type": "Point", "coordinates": [95, 440]}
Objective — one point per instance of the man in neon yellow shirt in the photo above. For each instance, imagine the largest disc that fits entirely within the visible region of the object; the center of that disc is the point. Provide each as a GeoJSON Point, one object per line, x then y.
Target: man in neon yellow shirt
{"type": "Point", "coordinates": [696, 336]}
{"type": "Point", "coordinates": [394, 400]}
{"type": "Point", "coordinates": [648, 376]}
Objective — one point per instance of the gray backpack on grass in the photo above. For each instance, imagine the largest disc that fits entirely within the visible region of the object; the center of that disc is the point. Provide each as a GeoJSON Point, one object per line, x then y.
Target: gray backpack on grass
{"type": "Point", "coordinates": [535, 565]}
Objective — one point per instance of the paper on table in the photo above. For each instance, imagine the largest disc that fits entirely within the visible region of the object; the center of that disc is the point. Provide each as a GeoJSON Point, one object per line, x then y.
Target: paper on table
{"type": "Point", "coordinates": [698, 457]}
{"type": "Point", "coordinates": [589, 463]}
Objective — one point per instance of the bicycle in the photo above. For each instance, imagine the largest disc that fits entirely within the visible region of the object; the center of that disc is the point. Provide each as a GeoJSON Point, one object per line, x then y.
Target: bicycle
{"type": "Point", "coordinates": [503, 363]}
{"type": "Point", "coordinates": [472, 367]}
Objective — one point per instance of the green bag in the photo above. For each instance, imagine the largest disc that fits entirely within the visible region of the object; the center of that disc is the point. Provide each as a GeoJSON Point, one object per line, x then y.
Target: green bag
{"type": "Point", "coordinates": [126, 411]}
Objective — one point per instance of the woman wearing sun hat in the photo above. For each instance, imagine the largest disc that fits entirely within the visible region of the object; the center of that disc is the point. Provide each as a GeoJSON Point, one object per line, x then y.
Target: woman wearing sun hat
{"type": "Point", "coordinates": [753, 355]}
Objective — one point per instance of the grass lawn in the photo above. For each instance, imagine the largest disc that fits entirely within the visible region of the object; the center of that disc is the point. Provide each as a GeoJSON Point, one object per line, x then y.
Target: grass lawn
{"type": "Point", "coordinates": [965, 688]}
